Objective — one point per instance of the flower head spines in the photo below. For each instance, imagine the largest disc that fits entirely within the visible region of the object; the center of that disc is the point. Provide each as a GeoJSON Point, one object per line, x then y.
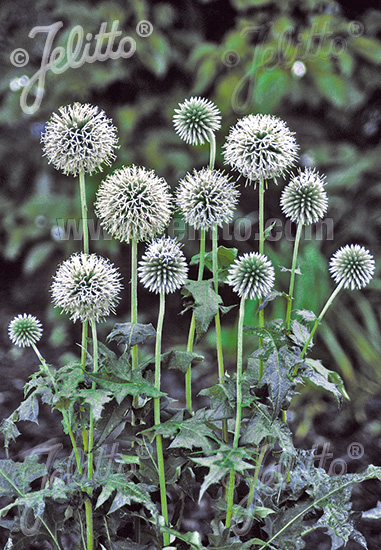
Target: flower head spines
{"type": "Point", "coordinates": [352, 265]}
{"type": "Point", "coordinates": [251, 275]}
{"type": "Point", "coordinates": [206, 198]}
{"type": "Point", "coordinates": [24, 330]}
{"type": "Point", "coordinates": [86, 287]}
{"type": "Point", "coordinates": [196, 119]}
{"type": "Point", "coordinates": [260, 147]}
{"type": "Point", "coordinates": [79, 139]}
{"type": "Point", "coordinates": [134, 203]}
{"type": "Point", "coordinates": [163, 267]}
{"type": "Point", "coordinates": [304, 199]}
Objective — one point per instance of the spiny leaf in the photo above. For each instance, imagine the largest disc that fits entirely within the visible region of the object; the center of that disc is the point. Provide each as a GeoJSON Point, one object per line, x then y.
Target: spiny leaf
{"type": "Point", "coordinates": [269, 298]}
{"type": "Point", "coordinates": [306, 315]}
{"type": "Point", "coordinates": [206, 303]}
{"type": "Point", "coordinates": [121, 388]}
{"type": "Point", "coordinates": [324, 378]}
{"type": "Point", "coordinates": [96, 398]}
{"type": "Point", "coordinates": [195, 432]}
{"type": "Point", "coordinates": [111, 418]}
{"type": "Point", "coordinates": [16, 477]}
{"type": "Point", "coordinates": [299, 334]}
{"type": "Point", "coordinates": [180, 360]}
{"type": "Point", "coordinates": [262, 426]}
{"type": "Point", "coordinates": [131, 334]}
{"type": "Point", "coordinates": [225, 257]}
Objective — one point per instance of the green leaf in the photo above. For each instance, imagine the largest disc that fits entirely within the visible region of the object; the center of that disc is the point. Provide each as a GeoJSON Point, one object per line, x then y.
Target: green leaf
{"type": "Point", "coordinates": [28, 409]}
{"type": "Point", "coordinates": [121, 388]}
{"type": "Point", "coordinates": [16, 477]}
{"type": "Point", "coordinates": [271, 85]}
{"type": "Point", "coordinates": [262, 426]}
{"type": "Point", "coordinates": [111, 418]}
{"type": "Point", "coordinates": [220, 463]}
{"type": "Point", "coordinates": [9, 429]}
{"type": "Point", "coordinates": [225, 257]}
{"type": "Point", "coordinates": [96, 399]}
{"type": "Point", "coordinates": [195, 432]}
{"type": "Point", "coordinates": [324, 378]}
{"type": "Point", "coordinates": [306, 315]}
{"type": "Point", "coordinates": [269, 298]}
{"type": "Point", "coordinates": [126, 493]}
{"type": "Point", "coordinates": [374, 513]}
{"type": "Point", "coordinates": [131, 334]}
{"type": "Point", "coordinates": [299, 333]}
{"type": "Point", "coordinates": [206, 303]}
{"type": "Point", "coordinates": [180, 360]}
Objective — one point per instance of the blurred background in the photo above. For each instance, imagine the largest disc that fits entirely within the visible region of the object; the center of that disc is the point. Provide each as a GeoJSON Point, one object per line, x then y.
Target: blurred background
{"type": "Point", "coordinates": [315, 64]}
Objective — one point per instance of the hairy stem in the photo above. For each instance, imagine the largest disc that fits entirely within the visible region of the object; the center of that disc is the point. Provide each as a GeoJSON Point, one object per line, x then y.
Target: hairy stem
{"type": "Point", "coordinates": [159, 443]}
{"type": "Point", "coordinates": [292, 277]}
{"type": "Point", "coordinates": [192, 327]}
{"type": "Point", "coordinates": [237, 429]}
{"type": "Point", "coordinates": [212, 153]}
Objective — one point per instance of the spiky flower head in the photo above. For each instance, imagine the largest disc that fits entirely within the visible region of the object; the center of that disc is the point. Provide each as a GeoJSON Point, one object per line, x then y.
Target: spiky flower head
{"type": "Point", "coordinates": [251, 275]}
{"type": "Point", "coordinates": [79, 139]}
{"type": "Point", "coordinates": [352, 264]}
{"type": "Point", "coordinates": [206, 198]}
{"type": "Point", "coordinates": [260, 147]}
{"type": "Point", "coordinates": [196, 119]}
{"type": "Point", "coordinates": [24, 330]}
{"type": "Point", "coordinates": [134, 203]}
{"type": "Point", "coordinates": [163, 267]}
{"type": "Point", "coordinates": [304, 199]}
{"type": "Point", "coordinates": [86, 287]}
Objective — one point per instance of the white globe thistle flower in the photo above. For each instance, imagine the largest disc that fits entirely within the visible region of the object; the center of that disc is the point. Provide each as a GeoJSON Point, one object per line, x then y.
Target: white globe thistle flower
{"type": "Point", "coordinates": [206, 198]}
{"type": "Point", "coordinates": [163, 267]}
{"type": "Point", "coordinates": [352, 264]}
{"type": "Point", "coordinates": [79, 139]}
{"type": "Point", "coordinates": [304, 199]}
{"type": "Point", "coordinates": [260, 147]}
{"type": "Point", "coordinates": [251, 275]}
{"type": "Point", "coordinates": [24, 330]}
{"type": "Point", "coordinates": [86, 287]}
{"type": "Point", "coordinates": [196, 119]}
{"type": "Point", "coordinates": [134, 203]}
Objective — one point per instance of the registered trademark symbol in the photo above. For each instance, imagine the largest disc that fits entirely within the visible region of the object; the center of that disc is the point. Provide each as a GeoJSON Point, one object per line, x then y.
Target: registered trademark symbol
{"type": "Point", "coordinates": [144, 28]}
{"type": "Point", "coordinates": [355, 451]}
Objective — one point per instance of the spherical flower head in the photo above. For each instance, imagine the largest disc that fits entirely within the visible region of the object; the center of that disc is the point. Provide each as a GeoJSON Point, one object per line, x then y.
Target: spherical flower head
{"type": "Point", "coordinates": [260, 147]}
{"type": "Point", "coordinates": [352, 264]}
{"type": "Point", "coordinates": [196, 119]}
{"type": "Point", "coordinates": [79, 139]}
{"type": "Point", "coordinates": [134, 203]}
{"type": "Point", "coordinates": [24, 330]}
{"type": "Point", "coordinates": [86, 287]}
{"type": "Point", "coordinates": [251, 276]}
{"type": "Point", "coordinates": [304, 199]}
{"type": "Point", "coordinates": [206, 198]}
{"type": "Point", "coordinates": [163, 268]}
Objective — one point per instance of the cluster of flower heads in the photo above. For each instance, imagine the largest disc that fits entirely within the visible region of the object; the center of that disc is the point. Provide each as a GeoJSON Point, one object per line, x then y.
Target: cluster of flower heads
{"type": "Point", "coordinates": [304, 199]}
{"type": "Point", "coordinates": [206, 198]}
{"type": "Point", "coordinates": [134, 203]}
{"type": "Point", "coordinates": [163, 268]}
{"type": "Point", "coordinates": [196, 119]}
{"type": "Point", "coordinates": [86, 287]}
{"type": "Point", "coordinates": [260, 147]}
{"type": "Point", "coordinates": [79, 139]}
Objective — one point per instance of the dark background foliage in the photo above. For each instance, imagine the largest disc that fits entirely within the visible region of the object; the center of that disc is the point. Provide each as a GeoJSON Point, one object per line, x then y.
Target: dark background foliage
{"type": "Point", "coordinates": [313, 63]}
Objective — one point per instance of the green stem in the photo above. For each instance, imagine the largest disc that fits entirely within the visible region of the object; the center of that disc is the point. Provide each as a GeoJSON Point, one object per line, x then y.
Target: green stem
{"type": "Point", "coordinates": [85, 228]}
{"type": "Point", "coordinates": [220, 357]}
{"type": "Point", "coordinates": [261, 320]}
{"type": "Point", "coordinates": [192, 327]}
{"type": "Point", "coordinates": [230, 493]}
{"type": "Point", "coordinates": [90, 460]}
{"type": "Point", "coordinates": [212, 153]}
{"type": "Point", "coordinates": [159, 443]}
{"type": "Point", "coordinates": [134, 295]}
{"type": "Point", "coordinates": [292, 278]}
{"type": "Point", "coordinates": [318, 320]}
